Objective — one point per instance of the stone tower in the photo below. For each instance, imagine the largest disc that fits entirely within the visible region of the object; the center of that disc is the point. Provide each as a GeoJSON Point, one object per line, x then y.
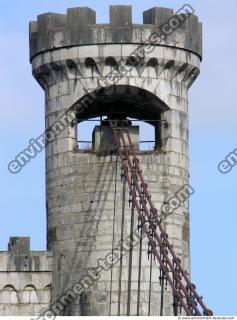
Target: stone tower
{"type": "Point", "coordinates": [119, 70]}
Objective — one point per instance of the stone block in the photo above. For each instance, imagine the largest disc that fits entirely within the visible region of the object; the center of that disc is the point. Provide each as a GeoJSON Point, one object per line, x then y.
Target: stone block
{"type": "Point", "coordinates": [61, 39]}
{"type": "Point", "coordinates": [19, 245]}
{"type": "Point", "coordinates": [119, 35]}
{"type": "Point", "coordinates": [82, 16]}
{"type": "Point", "coordinates": [120, 16]}
{"type": "Point", "coordinates": [33, 27]}
{"type": "Point", "coordinates": [50, 22]}
{"type": "Point", "coordinates": [103, 139]}
{"type": "Point", "coordinates": [83, 36]}
{"type": "Point", "coordinates": [157, 16]}
{"type": "Point", "coordinates": [193, 39]}
{"type": "Point", "coordinates": [44, 42]}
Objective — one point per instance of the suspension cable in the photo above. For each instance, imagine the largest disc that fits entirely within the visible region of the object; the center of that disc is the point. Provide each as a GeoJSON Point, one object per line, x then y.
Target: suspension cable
{"type": "Point", "coordinates": [130, 255]}
{"type": "Point", "coordinates": [115, 197]}
{"type": "Point", "coordinates": [121, 248]}
{"type": "Point", "coordinates": [150, 287]}
{"type": "Point", "coordinates": [139, 270]}
{"type": "Point", "coordinates": [162, 293]}
{"type": "Point", "coordinates": [186, 294]}
{"type": "Point", "coordinates": [192, 304]}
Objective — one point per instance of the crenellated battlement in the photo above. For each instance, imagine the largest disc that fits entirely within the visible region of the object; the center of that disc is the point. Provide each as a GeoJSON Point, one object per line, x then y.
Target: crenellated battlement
{"type": "Point", "coordinates": [78, 27]}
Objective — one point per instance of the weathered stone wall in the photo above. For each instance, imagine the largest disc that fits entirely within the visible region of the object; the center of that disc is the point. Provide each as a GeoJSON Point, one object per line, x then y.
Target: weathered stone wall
{"type": "Point", "coordinates": [88, 227]}
{"type": "Point", "coordinates": [25, 279]}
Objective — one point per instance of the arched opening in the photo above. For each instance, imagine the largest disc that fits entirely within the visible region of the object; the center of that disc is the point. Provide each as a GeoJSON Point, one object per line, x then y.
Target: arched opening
{"type": "Point", "coordinates": [9, 295]}
{"type": "Point", "coordinates": [169, 69]}
{"type": "Point", "coordinates": [151, 68]}
{"type": "Point", "coordinates": [111, 65]}
{"type": "Point", "coordinates": [47, 292]}
{"type": "Point", "coordinates": [131, 67]}
{"type": "Point", "coordinates": [29, 295]}
{"type": "Point", "coordinates": [119, 102]}
{"type": "Point", "coordinates": [91, 68]}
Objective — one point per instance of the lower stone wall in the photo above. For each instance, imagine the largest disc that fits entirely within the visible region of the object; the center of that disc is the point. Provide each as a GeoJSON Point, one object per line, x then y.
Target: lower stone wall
{"type": "Point", "coordinates": [85, 226]}
{"type": "Point", "coordinates": [25, 279]}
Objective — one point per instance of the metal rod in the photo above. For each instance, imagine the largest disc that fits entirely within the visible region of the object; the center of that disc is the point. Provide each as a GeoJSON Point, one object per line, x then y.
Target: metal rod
{"type": "Point", "coordinates": [121, 249]}
{"type": "Point", "coordinates": [162, 296]}
{"type": "Point", "coordinates": [84, 141]}
{"type": "Point", "coordinates": [130, 258]}
{"type": "Point", "coordinates": [89, 141]}
{"type": "Point", "coordinates": [115, 196]}
{"type": "Point", "coordinates": [139, 274]}
{"type": "Point", "coordinates": [150, 283]}
{"type": "Point", "coordinates": [148, 141]}
{"type": "Point", "coordinates": [133, 120]}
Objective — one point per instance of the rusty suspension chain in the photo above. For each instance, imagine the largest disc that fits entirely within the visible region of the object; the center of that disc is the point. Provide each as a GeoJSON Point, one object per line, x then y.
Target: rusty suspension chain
{"type": "Point", "coordinates": [183, 290]}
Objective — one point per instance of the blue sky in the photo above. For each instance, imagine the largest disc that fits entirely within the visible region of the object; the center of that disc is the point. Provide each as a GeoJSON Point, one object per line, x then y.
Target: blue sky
{"type": "Point", "coordinates": [213, 130]}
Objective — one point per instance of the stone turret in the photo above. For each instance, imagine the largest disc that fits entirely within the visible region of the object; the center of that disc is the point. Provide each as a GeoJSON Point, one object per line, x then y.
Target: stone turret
{"type": "Point", "coordinates": [120, 69]}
